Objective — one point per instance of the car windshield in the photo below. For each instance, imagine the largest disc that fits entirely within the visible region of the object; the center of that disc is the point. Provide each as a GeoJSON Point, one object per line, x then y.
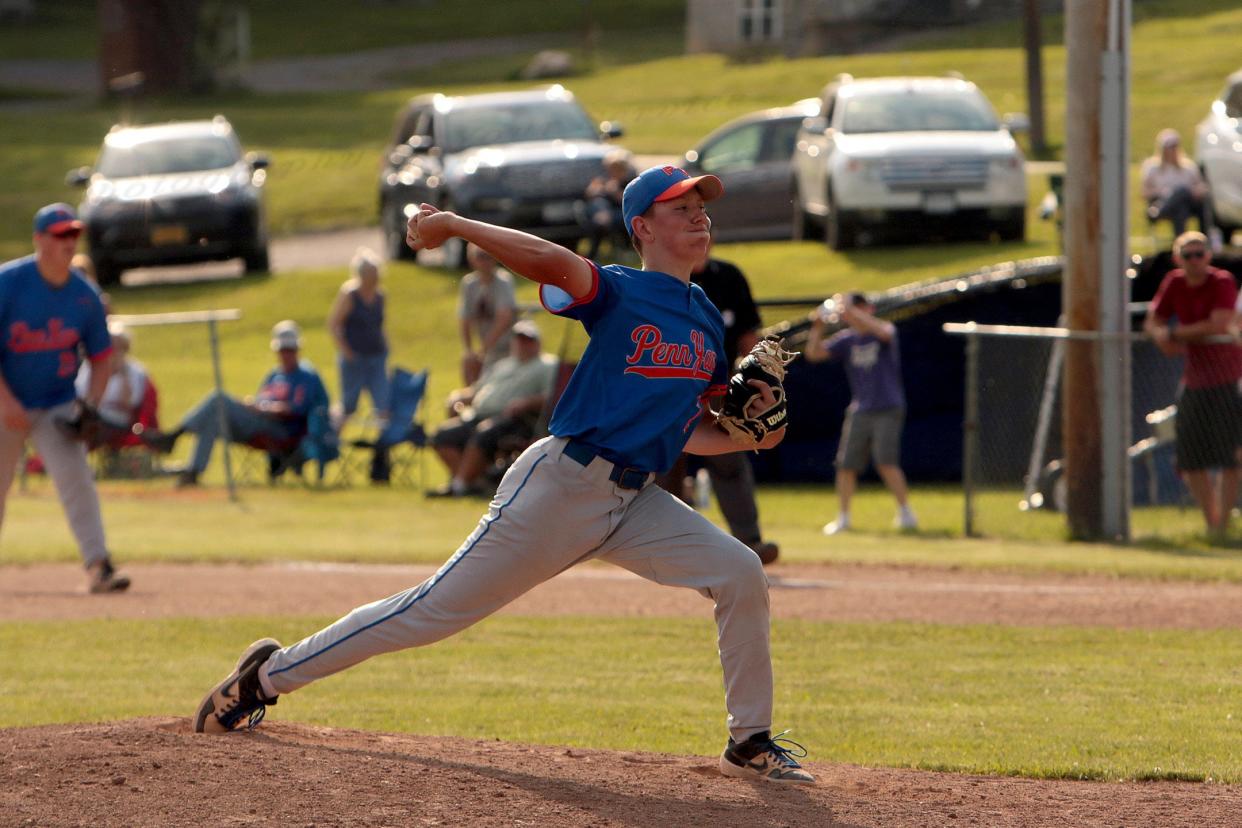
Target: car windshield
{"type": "Point", "coordinates": [510, 123]}
{"type": "Point", "coordinates": [918, 111]}
{"type": "Point", "coordinates": [168, 155]}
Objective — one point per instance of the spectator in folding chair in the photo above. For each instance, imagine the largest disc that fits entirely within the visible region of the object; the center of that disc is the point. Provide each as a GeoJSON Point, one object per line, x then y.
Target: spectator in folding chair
{"type": "Point", "coordinates": [506, 401]}
{"type": "Point", "coordinates": [1172, 185]}
{"type": "Point", "coordinates": [486, 309]}
{"type": "Point", "coordinates": [274, 420]}
{"type": "Point", "coordinates": [124, 396]}
{"type": "Point", "coordinates": [356, 323]}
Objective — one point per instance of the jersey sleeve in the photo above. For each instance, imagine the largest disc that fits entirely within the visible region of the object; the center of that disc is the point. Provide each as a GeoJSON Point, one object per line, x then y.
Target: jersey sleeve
{"type": "Point", "coordinates": [586, 309]}
{"type": "Point", "coordinates": [95, 334]}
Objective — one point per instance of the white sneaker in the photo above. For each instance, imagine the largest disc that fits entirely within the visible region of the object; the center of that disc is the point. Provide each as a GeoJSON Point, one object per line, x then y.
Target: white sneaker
{"type": "Point", "coordinates": [906, 521]}
{"type": "Point", "coordinates": [837, 527]}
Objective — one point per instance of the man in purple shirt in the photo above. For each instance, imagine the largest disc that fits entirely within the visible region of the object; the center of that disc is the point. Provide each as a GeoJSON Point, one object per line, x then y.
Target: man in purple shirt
{"type": "Point", "coordinates": [873, 421]}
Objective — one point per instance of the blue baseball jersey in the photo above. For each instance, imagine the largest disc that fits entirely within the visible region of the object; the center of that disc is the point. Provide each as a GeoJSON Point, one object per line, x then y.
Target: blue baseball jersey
{"type": "Point", "coordinates": [44, 330]}
{"type": "Point", "coordinates": [656, 355]}
{"type": "Point", "coordinates": [301, 388]}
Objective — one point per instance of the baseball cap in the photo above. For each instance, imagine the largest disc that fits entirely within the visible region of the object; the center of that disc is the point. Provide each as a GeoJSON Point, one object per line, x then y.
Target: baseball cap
{"type": "Point", "coordinates": [1169, 138]}
{"type": "Point", "coordinates": [662, 184]}
{"type": "Point", "coordinates": [526, 328]}
{"type": "Point", "coordinates": [286, 336]}
{"type": "Point", "coordinates": [56, 218]}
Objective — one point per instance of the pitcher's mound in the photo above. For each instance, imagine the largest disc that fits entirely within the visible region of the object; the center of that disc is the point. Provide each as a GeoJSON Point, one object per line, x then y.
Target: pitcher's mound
{"type": "Point", "coordinates": [155, 772]}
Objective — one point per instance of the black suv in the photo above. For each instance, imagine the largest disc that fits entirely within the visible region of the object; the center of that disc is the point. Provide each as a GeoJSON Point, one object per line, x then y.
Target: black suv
{"type": "Point", "coordinates": [516, 159]}
{"type": "Point", "coordinates": [170, 194]}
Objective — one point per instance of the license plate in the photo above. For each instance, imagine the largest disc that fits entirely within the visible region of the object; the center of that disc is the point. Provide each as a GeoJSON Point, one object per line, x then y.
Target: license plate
{"type": "Point", "coordinates": [939, 203]}
{"type": "Point", "coordinates": [558, 212]}
{"type": "Point", "coordinates": [169, 234]}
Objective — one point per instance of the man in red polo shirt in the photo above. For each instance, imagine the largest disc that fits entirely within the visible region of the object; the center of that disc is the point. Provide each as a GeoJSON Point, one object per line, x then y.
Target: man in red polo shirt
{"type": "Point", "coordinates": [1209, 411]}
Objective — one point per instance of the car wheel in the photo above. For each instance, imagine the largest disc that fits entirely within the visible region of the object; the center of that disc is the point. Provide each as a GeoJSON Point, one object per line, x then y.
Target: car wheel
{"type": "Point", "coordinates": [839, 231]}
{"type": "Point", "coordinates": [395, 247]}
{"type": "Point", "coordinates": [107, 274]}
{"type": "Point", "coordinates": [257, 259]}
{"type": "Point", "coordinates": [1012, 229]}
{"type": "Point", "coordinates": [1211, 219]}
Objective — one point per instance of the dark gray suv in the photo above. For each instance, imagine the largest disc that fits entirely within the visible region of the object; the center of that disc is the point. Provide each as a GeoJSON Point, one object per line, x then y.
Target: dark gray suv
{"type": "Point", "coordinates": [517, 159]}
{"type": "Point", "coordinates": [171, 194]}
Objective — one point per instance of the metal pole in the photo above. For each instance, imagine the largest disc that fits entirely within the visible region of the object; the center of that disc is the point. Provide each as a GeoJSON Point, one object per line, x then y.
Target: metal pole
{"type": "Point", "coordinates": [970, 434]}
{"type": "Point", "coordinates": [225, 432]}
{"type": "Point", "coordinates": [1047, 402]}
{"type": "Point", "coordinates": [1081, 426]}
{"type": "Point", "coordinates": [1114, 296]}
{"type": "Point", "coordinates": [1034, 76]}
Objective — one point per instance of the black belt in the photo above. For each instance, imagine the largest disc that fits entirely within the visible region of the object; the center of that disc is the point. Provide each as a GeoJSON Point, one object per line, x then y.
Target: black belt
{"type": "Point", "coordinates": [626, 477]}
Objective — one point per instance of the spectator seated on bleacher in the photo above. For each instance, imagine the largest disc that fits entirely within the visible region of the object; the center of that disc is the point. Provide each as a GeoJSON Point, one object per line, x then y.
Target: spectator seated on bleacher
{"type": "Point", "coordinates": [130, 398]}
{"type": "Point", "coordinates": [275, 419]}
{"type": "Point", "coordinates": [505, 402]}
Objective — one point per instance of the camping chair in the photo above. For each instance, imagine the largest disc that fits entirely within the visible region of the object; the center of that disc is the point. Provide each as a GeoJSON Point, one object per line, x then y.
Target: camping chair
{"type": "Point", "coordinates": [122, 454]}
{"type": "Point", "coordinates": [511, 448]}
{"type": "Point", "coordinates": [317, 442]}
{"type": "Point", "coordinates": [399, 444]}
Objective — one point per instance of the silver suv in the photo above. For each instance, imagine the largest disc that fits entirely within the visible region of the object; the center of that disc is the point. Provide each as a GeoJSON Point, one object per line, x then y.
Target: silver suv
{"type": "Point", "coordinates": [909, 154]}
{"type": "Point", "coordinates": [1218, 148]}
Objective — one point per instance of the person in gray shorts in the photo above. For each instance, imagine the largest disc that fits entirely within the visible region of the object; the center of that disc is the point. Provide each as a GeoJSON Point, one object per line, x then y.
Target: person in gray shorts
{"type": "Point", "coordinates": [868, 348]}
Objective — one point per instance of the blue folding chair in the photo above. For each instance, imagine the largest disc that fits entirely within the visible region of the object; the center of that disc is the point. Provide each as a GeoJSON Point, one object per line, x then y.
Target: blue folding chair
{"type": "Point", "coordinates": [400, 443]}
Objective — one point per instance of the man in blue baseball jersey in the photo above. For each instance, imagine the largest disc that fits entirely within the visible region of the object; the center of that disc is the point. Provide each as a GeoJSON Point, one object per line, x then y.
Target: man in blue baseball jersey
{"type": "Point", "coordinates": [49, 317]}
{"type": "Point", "coordinates": [636, 400]}
{"type": "Point", "coordinates": [274, 419]}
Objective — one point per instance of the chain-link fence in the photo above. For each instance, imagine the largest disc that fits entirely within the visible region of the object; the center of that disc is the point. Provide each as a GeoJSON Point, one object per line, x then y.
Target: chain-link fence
{"type": "Point", "coordinates": [1012, 464]}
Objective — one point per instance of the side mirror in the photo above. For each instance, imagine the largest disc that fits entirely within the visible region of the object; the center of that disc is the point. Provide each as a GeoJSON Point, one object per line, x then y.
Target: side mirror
{"type": "Point", "coordinates": [815, 126]}
{"type": "Point", "coordinates": [258, 160]}
{"type": "Point", "coordinates": [79, 177]}
{"type": "Point", "coordinates": [1016, 122]}
{"type": "Point", "coordinates": [610, 129]}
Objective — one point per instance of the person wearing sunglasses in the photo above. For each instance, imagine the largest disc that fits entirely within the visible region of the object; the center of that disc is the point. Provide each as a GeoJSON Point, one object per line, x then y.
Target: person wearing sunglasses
{"type": "Point", "coordinates": [1192, 315]}
{"type": "Point", "coordinates": [50, 316]}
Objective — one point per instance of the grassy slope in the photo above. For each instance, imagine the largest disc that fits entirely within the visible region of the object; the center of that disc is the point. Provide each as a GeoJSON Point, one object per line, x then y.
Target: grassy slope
{"type": "Point", "coordinates": [325, 163]}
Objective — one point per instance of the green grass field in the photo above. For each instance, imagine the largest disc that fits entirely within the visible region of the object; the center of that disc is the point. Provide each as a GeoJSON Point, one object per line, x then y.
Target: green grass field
{"type": "Point", "coordinates": [1063, 703]}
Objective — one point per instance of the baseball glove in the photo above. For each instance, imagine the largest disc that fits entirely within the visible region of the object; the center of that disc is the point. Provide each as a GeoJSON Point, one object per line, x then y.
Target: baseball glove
{"type": "Point", "coordinates": [765, 362]}
{"type": "Point", "coordinates": [83, 424]}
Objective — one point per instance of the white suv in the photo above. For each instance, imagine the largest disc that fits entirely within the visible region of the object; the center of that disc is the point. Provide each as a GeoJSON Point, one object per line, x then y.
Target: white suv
{"type": "Point", "coordinates": [909, 153]}
{"type": "Point", "coordinates": [1218, 149]}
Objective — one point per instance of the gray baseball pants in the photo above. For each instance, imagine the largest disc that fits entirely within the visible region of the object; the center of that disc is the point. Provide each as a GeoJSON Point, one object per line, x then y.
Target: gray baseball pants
{"type": "Point", "coordinates": [66, 463]}
{"type": "Point", "coordinates": [549, 514]}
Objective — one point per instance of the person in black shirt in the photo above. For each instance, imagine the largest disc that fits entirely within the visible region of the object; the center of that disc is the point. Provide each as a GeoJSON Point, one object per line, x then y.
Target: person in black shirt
{"type": "Point", "coordinates": [733, 481]}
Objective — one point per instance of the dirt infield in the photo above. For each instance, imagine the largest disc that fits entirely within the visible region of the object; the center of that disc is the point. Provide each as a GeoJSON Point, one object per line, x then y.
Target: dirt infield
{"type": "Point", "coordinates": [155, 772]}
{"type": "Point", "coordinates": [825, 593]}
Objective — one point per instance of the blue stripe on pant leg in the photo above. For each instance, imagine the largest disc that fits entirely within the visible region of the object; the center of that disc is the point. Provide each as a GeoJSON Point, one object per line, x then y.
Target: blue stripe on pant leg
{"type": "Point", "coordinates": [435, 579]}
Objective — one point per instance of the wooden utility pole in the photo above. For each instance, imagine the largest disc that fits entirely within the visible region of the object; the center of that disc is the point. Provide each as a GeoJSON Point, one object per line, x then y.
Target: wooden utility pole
{"type": "Point", "coordinates": [1096, 422]}
{"type": "Point", "coordinates": [1035, 77]}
